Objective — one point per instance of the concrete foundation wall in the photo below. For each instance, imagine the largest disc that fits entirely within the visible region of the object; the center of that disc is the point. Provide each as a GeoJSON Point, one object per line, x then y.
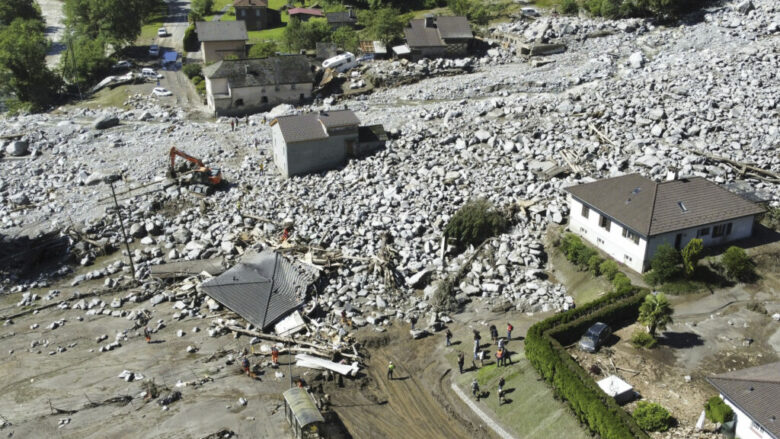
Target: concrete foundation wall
{"type": "Point", "coordinates": [214, 51]}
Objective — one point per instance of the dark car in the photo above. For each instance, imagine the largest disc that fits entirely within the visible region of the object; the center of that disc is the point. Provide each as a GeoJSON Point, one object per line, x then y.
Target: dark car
{"type": "Point", "coordinates": [594, 337]}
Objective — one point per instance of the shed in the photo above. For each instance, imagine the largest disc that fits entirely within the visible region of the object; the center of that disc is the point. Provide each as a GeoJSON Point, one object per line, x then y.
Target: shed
{"type": "Point", "coordinates": [302, 413]}
{"type": "Point", "coordinates": [170, 57]}
{"type": "Point", "coordinates": [617, 388]}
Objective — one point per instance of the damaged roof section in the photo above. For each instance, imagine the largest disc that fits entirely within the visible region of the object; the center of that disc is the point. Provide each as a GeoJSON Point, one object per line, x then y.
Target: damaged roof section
{"type": "Point", "coordinates": [262, 288]}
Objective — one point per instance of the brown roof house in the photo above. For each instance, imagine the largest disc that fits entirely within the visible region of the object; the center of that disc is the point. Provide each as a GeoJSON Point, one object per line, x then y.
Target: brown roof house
{"type": "Point", "coordinates": [243, 86]}
{"type": "Point", "coordinates": [437, 37]}
{"type": "Point", "coordinates": [318, 141]}
{"type": "Point", "coordinates": [629, 216]}
{"type": "Point", "coordinates": [221, 38]}
{"type": "Point", "coordinates": [754, 395]}
{"type": "Point", "coordinates": [256, 14]}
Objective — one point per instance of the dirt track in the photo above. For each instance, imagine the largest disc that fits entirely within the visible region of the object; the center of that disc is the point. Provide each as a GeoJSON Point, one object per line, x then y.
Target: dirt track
{"type": "Point", "coordinates": [419, 398]}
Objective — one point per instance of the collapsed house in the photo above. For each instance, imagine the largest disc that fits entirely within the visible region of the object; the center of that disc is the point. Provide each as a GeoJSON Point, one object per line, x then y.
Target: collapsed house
{"type": "Point", "coordinates": [438, 37]}
{"type": "Point", "coordinates": [263, 288]}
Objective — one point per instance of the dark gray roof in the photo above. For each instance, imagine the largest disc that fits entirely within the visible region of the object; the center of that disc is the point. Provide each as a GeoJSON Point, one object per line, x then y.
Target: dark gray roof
{"type": "Point", "coordinates": [314, 126]}
{"type": "Point", "coordinates": [341, 17]}
{"type": "Point", "coordinates": [251, 3]}
{"type": "Point", "coordinates": [651, 208]}
{"type": "Point", "coordinates": [262, 288]}
{"type": "Point", "coordinates": [221, 30]}
{"type": "Point", "coordinates": [275, 70]}
{"type": "Point", "coordinates": [756, 391]}
{"type": "Point", "coordinates": [418, 35]}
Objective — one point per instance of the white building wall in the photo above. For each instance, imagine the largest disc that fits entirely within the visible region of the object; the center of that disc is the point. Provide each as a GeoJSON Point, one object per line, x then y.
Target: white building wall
{"type": "Point", "coordinates": [612, 242]}
{"type": "Point", "coordinates": [740, 228]}
{"type": "Point", "coordinates": [745, 428]}
{"type": "Point", "coordinates": [279, 150]}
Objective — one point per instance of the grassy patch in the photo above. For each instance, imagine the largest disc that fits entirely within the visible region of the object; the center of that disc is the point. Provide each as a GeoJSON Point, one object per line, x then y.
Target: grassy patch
{"type": "Point", "coordinates": [583, 286]}
{"type": "Point", "coordinates": [275, 34]}
{"type": "Point", "coordinates": [704, 279]}
{"type": "Point", "coordinates": [547, 4]}
{"type": "Point", "coordinates": [531, 410]}
{"type": "Point", "coordinates": [153, 22]}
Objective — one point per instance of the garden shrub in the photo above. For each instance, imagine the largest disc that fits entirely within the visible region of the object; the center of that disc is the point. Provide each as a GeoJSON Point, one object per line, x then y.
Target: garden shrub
{"type": "Point", "coordinates": [665, 264]}
{"type": "Point", "coordinates": [652, 417]}
{"type": "Point", "coordinates": [738, 264]}
{"type": "Point", "coordinates": [609, 269]}
{"type": "Point", "coordinates": [621, 282]}
{"type": "Point", "coordinates": [190, 40]}
{"type": "Point", "coordinates": [718, 411]}
{"type": "Point", "coordinates": [475, 222]}
{"type": "Point", "coordinates": [691, 254]}
{"type": "Point", "coordinates": [192, 70]}
{"type": "Point", "coordinates": [642, 339]}
{"type": "Point", "coordinates": [594, 264]}
{"type": "Point", "coordinates": [569, 7]}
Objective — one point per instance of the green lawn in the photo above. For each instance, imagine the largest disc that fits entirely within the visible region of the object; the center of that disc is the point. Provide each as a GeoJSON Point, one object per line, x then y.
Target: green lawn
{"type": "Point", "coordinates": [218, 5]}
{"type": "Point", "coordinates": [152, 23]}
{"type": "Point", "coordinates": [530, 409]}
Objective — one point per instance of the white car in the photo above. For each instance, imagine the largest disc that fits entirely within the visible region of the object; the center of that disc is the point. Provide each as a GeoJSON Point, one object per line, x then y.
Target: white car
{"type": "Point", "coordinates": [162, 32]}
{"type": "Point", "coordinates": [159, 91]}
{"type": "Point", "coordinates": [531, 12]}
{"type": "Point", "coordinates": [154, 50]}
{"type": "Point", "coordinates": [123, 65]}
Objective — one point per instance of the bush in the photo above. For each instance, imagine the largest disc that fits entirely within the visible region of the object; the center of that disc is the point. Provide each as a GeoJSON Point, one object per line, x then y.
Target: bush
{"type": "Point", "coordinates": [641, 339]}
{"type": "Point", "coordinates": [652, 417]}
{"type": "Point", "coordinates": [738, 265]}
{"type": "Point", "coordinates": [570, 245]}
{"type": "Point", "coordinates": [757, 307]}
{"type": "Point", "coordinates": [610, 8]}
{"type": "Point", "coordinates": [192, 70]}
{"type": "Point", "coordinates": [201, 87]}
{"type": "Point", "coordinates": [197, 80]}
{"type": "Point", "coordinates": [263, 49]}
{"type": "Point", "coordinates": [474, 222]}
{"type": "Point", "coordinates": [584, 255]}
{"type": "Point", "coordinates": [609, 269]}
{"type": "Point", "coordinates": [621, 283]}
{"type": "Point", "coordinates": [190, 41]}
{"type": "Point", "coordinates": [544, 350]}
{"type": "Point", "coordinates": [718, 411]}
{"type": "Point", "coordinates": [594, 264]}
{"type": "Point", "coordinates": [691, 255]}
{"type": "Point", "coordinates": [665, 264]}
{"type": "Point", "coordinates": [444, 296]}
{"type": "Point", "coordinates": [569, 7]}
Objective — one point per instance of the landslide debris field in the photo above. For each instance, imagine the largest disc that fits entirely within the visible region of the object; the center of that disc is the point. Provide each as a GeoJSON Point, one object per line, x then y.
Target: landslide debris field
{"type": "Point", "coordinates": [700, 98]}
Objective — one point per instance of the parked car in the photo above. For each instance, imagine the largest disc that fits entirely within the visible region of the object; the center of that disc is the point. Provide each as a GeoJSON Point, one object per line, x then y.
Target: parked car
{"type": "Point", "coordinates": [531, 12]}
{"type": "Point", "coordinates": [121, 65]}
{"type": "Point", "coordinates": [146, 72]}
{"type": "Point", "coordinates": [162, 32]}
{"type": "Point", "coordinates": [594, 337]}
{"type": "Point", "coordinates": [154, 50]}
{"type": "Point", "coordinates": [159, 91]}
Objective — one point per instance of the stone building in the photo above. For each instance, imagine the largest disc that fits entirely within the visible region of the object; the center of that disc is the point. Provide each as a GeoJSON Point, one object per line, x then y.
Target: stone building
{"type": "Point", "coordinates": [629, 216]}
{"type": "Point", "coordinates": [219, 39]}
{"type": "Point", "coordinates": [439, 37]}
{"type": "Point", "coordinates": [243, 86]}
{"type": "Point", "coordinates": [256, 14]}
{"type": "Point", "coordinates": [318, 141]}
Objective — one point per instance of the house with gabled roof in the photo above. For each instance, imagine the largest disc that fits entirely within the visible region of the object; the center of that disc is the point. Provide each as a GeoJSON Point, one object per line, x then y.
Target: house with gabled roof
{"type": "Point", "coordinates": [256, 14]}
{"type": "Point", "coordinates": [437, 37]}
{"type": "Point", "coordinates": [754, 395]}
{"type": "Point", "coordinates": [317, 141]}
{"type": "Point", "coordinates": [219, 39]}
{"type": "Point", "coordinates": [630, 216]}
{"type": "Point", "coordinates": [243, 86]}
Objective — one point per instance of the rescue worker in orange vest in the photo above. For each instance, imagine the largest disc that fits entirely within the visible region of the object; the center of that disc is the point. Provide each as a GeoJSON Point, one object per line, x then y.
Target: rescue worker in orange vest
{"type": "Point", "coordinates": [275, 356]}
{"type": "Point", "coordinates": [285, 234]}
{"type": "Point", "coordinates": [500, 357]}
{"type": "Point", "coordinates": [245, 366]}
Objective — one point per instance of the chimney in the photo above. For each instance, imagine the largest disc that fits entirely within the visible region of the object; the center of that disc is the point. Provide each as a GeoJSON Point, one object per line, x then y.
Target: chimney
{"type": "Point", "coordinates": [430, 20]}
{"type": "Point", "coordinates": [351, 12]}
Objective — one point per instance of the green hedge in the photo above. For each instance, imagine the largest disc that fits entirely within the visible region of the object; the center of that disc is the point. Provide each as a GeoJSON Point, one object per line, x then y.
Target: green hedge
{"type": "Point", "coordinates": [544, 350]}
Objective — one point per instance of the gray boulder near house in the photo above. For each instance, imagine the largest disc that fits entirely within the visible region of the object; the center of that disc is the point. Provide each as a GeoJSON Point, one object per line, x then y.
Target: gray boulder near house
{"type": "Point", "coordinates": [219, 39]}
{"type": "Point", "coordinates": [323, 140]}
{"type": "Point", "coordinates": [439, 37]}
{"type": "Point", "coordinates": [243, 86]}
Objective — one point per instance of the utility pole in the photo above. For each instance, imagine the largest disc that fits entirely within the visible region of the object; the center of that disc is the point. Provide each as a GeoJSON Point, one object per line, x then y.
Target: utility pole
{"type": "Point", "coordinates": [122, 226]}
{"type": "Point", "coordinates": [289, 363]}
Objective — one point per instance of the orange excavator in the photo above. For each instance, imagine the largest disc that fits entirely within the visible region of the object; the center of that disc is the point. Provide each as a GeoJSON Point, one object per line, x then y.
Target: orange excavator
{"type": "Point", "coordinates": [202, 174]}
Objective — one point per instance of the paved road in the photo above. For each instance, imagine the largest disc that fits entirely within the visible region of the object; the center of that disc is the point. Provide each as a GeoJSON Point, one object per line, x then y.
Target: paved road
{"type": "Point", "coordinates": [52, 14]}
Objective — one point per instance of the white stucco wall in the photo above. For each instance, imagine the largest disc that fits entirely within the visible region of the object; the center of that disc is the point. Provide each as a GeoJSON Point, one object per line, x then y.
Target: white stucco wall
{"type": "Point", "coordinates": [745, 424]}
{"type": "Point", "coordinates": [623, 250]}
{"type": "Point", "coordinates": [252, 97]}
{"type": "Point", "coordinates": [279, 150]}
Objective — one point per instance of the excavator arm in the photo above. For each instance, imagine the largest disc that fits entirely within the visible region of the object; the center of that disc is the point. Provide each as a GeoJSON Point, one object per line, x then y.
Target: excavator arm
{"type": "Point", "coordinates": [213, 177]}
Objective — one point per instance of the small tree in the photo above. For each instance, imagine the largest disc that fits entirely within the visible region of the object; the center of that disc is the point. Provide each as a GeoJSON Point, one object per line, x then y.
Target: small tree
{"type": "Point", "coordinates": [474, 222]}
{"type": "Point", "coordinates": [569, 7]}
{"type": "Point", "coordinates": [655, 312]}
{"type": "Point", "coordinates": [738, 265]}
{"type": "Point", "coordinates": [691, 255]}
{"type": "Point", "coordinates": [190, 41]}
{"type": "Point", "coordinates": [609, 269]}
{"type": "Point", "coordinates": [594, 264]}
{"type": "Point", "coordinates": [652, 417]}
{"type": "Point", "coordinates": [621, 283]}
{"type": "Point", "coordinates": [192, 70]}
{"type": "Point", "coordinates": [718, 411]}
{"type": "Point", "coordinates": [664, 264]}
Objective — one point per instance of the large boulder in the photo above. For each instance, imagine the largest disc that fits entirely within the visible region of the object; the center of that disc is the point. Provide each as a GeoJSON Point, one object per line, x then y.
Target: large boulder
{"type": "Point", "coordinates": [17, 148]}
{"type": "Point", "coordinates": [105, 121]}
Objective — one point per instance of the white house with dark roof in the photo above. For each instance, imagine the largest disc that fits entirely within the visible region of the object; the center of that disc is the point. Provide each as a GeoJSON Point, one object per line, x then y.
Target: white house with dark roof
{"type": "Point", "coordinates": [219, 39]}
{"type": "Point", "coordinates": [317, 141]}
{"type": "Point", "coordinates": [754, 395]}
{"type": "Point", "coordinates": [243, 86]}
{"type": "Point", "coordinates": [629, 216]}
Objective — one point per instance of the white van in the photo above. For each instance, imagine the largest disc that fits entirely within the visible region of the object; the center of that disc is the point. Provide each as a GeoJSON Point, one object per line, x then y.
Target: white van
{"type": "Point", "coordinates": [340, 63]}
{"type": "Point", "coordinates": [148, 73]}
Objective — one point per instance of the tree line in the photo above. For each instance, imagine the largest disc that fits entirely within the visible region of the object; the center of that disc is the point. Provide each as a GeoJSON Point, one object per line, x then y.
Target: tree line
{"type": "Point", "coordinates": [93, 30]}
